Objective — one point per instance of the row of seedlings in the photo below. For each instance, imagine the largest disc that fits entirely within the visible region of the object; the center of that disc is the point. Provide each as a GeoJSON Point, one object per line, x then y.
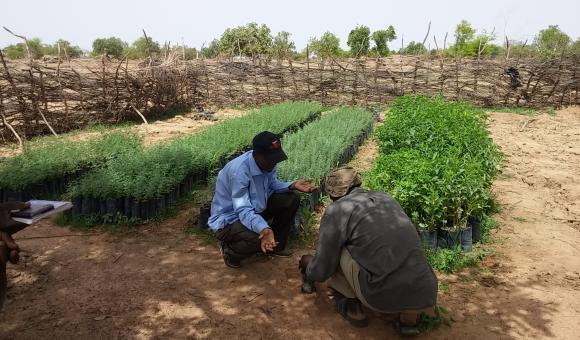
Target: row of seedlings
{"type": "Point", "coordinates": [438, 160]}
{"type": "Point", "coordinates": [331, 141]}
{"type": "Point", "coordinates": [145, 184]}
{"type": "Point", "coordinates": [45, 168]}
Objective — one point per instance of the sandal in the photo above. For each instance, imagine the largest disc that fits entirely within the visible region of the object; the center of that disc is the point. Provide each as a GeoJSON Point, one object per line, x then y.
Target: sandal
{"type": "Point", "coordinates": [345, 305]}
{"type": "Point", "coordinates": [406, 330]}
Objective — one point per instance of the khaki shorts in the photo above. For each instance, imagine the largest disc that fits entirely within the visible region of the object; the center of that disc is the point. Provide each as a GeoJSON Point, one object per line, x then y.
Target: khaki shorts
{"type": "Point", "coordinates": [346, 282]}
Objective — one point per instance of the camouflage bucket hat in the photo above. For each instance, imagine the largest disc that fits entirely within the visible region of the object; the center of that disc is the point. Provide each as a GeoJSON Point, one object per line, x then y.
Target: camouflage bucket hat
{"type": "Point", "coordinates": [341, 180]}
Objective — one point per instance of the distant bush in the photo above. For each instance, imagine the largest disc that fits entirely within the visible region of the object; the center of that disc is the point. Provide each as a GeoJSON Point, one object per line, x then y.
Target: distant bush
{"type": "Point", "coordinates": [112, 46]}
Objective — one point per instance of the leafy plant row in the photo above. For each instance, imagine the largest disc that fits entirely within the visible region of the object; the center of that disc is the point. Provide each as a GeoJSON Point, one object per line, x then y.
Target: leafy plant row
{"type": "Point", "coordinates": [437, 159]}
{"type": "Point", "coordinates": [322, 145]}
{"type": "Point", "coordinates": [144, 183]}
{"type": "Point", "coordinates": [47, 168]}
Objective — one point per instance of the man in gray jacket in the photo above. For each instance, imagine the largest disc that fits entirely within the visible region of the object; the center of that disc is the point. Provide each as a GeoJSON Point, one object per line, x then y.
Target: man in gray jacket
{"type": "Point", "coordinates": [371, 251]}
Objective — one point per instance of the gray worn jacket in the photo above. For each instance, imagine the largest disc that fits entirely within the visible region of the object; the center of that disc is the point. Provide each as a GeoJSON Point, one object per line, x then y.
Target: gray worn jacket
{"type": "Point", "coordinates": [394, 273]}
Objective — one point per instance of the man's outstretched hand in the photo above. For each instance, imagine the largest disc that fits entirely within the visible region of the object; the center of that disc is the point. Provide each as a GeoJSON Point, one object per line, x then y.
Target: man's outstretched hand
{"type": "Point", "coordinates": [303, 185]}
{"type": "Point", "coordinates": [267, 240]}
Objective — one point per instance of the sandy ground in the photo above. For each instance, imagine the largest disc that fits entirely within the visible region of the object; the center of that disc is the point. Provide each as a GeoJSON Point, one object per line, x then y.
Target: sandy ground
{"type": "Point", "coordinates": [158, 281]}
{"type": "Point", "coordinates": [151, 133]}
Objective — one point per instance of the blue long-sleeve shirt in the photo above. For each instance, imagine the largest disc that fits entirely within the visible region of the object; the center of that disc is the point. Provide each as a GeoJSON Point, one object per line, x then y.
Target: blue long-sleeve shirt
{"type": "Point", "coordinates": [242, 192]}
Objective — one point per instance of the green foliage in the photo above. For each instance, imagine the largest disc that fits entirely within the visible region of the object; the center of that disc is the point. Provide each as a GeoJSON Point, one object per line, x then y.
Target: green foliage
{"type": "Point", "coordinates": [519, 110]}
{"type": "Point", "coordinates": [316, 149]}
{"type": "Point", "coordinates": [327, 46]}
{"type": "Point", "coordinates": [114, 47]}
{"type": "Point", "coordinates": [575, 48]}
{"type": "Point", "coordinates": [520, 49]}
{"type": "Point", "coordinates": [438, 192]}
{"type": "Point", "coordinates": [65, 49]}
{"type": "Point", "coordinates": [487, 225]}
{"type": "Point", "coordinates": [282, 46]}
{"type": "Point", "coordinates": [18, 51]}
{"type": "Point", "coordinates": [437, 159]}
{"type": "Point", "coordinates": [452, 260]}
{"type": "Point", "coordinates": [463, 33]}
{"type": "Point", "coordinates": [212, 51]}
{"type": "Point", "coordinates": [359, 41]}
{"type": "Point", "coordinates": [154, 171]}
{"type": "Point", "coordinates": [250, 40]}
{"type": "Point", "coordinates": [52, 158]}
{"type": "Point", "coordinates": [433, 126]}
{"type": "Point", "coordinates": [307, 235]}
{"type": "Point", "coordinates": [481, 45]}
{"type": "Point", "coordinates": [413, 48]}
{"type": "Point", "coordinates": [381, 39]}
{"type": "Point", "coordinates": [551, 42]}
{"type": "Point", "coordinates": [467, 44]}
{"type": "Point", "coordinates": [142, 48]}
{"type": "Point", "coordinates": [427, 323]}
{"type": "Point", "coordinates": [190, 53]}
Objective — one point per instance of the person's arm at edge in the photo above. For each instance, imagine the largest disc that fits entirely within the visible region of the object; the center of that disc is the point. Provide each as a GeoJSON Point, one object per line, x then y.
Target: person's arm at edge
{"type": "Point", "coordinates": [331, 241]}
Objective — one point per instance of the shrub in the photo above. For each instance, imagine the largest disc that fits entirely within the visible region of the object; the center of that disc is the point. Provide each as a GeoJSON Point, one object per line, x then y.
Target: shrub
{"type": "Point", "coordinates": [437, 159]}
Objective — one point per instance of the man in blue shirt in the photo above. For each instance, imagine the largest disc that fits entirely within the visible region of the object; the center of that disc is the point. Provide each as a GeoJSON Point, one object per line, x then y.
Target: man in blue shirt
{"type": "Point", "coordinates": [251, 210]}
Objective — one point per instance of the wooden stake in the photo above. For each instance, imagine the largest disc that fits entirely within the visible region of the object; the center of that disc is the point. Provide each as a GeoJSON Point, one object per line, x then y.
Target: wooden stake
{"type": "Point", "coordinates": [13, 131]}
{"type": "Point", "coordinates": [140, 114]}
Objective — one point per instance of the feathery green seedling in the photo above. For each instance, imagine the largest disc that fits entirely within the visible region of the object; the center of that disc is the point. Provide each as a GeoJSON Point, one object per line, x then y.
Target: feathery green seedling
{"type": "Point", "coordinates": [316, 149]}
{"type": "Point", "coordinates": [155, 171]}
{"type": "Point", "coordinates": [53, 158]}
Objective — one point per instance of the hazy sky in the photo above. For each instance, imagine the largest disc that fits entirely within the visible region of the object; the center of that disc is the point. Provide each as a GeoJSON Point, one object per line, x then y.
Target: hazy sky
{"type": "Point", "coordinates": [197, 22]}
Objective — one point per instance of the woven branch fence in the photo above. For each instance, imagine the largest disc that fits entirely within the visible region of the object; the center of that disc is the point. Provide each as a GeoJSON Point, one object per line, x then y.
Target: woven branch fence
{"type": "Point", "coordinates": [39, 97]}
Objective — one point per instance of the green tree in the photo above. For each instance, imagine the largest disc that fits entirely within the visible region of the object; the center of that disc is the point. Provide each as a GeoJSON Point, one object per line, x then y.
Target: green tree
{"type": "Point", "coordinates": [519, 49]}
{"type": "Point", "coordinates": [381, 38]}
{"type": "Point", "coordinates": [463, 33]}
{"type": "Point", "coordinates": [358, 41]}
{"type": "Point", "coordinates": [551, 41]}
{"type": "Point", "coordinates": [212, 51]}
{"type": "Point", "coordinates": [190, 53]}
{"type": "Point", "coordinates": [250, 40]}
{"type": "Point", "coordinates": [114, 47]}
{"type": "Point", "coordinates": [282, 46]}
{"type": "Point", "coordinates": [575, 48]}
{"type": "Point", "coordinates": [72, 51]}
{"type": "Point", "coordinates": [15, 51]}
{"type": "Point", "coordinates": [413, 48]}
{"type": "Point", "coordinates": [142, 48]}
{"type": "Point", "coordinates": [327, 46]}
{"type": "Point", "coordinates": [18, 51]}
{"type": "Point", "coordinates": [480, 45]}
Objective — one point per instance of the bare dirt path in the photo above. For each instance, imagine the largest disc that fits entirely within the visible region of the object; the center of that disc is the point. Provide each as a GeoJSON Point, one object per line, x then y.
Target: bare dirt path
{"type": "Point", "coordinates": [158, 281]}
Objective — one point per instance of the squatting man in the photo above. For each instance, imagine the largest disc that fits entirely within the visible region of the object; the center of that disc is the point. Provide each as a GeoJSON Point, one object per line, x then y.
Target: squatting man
{"type": "Point", "coordinates": [252, 210]}
{"type": "Point", "coordinates": [371, 252]}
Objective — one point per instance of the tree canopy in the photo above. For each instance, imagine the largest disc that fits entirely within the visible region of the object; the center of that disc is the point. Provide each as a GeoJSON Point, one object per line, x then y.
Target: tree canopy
{"type": "Point", "coordinates": [112, 46]}
{"type": "Point", "coordinates": [328, 45]}
{"type": "Point", "coordinates": [359, 41]}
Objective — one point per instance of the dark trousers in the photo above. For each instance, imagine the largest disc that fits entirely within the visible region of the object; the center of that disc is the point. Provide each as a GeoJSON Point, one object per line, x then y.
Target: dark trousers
{"type": "Point", "coordinates": [12, 227]}
{"type": "Point", "coordinates": [242, 242]}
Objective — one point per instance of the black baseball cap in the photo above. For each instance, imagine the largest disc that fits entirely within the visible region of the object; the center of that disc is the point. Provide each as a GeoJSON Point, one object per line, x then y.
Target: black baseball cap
{"type": "Point", "coordinates": [269, 145]}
